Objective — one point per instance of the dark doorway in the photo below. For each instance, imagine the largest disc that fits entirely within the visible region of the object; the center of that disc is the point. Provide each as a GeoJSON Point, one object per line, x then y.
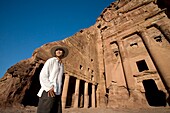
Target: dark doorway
{"type": "Point", "coordinates": [154, 96]}
{"type": "Point", "coordinates": [142, 66]}
{"type": "Point", "coordinates": [71, 91]}
{"type": "Point", "coordinates": [81, 94]}
{"type": "Point", "coordinates": [90, 94]}
{"type": "Point", "coordinates": [30, 97]}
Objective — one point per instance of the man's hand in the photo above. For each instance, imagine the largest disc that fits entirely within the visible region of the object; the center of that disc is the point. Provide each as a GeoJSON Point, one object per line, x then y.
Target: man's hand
{"type": "Point", "coordinates": [51, 92]}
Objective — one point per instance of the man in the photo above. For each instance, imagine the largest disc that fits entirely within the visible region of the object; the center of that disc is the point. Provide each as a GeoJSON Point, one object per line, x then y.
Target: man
{"type": "Point", "coordinates": [51, 82]}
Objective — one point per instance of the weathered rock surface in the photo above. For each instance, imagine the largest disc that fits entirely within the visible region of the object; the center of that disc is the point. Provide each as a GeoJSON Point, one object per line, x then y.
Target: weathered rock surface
{"type": "Point", "coordinates": [125, 55]}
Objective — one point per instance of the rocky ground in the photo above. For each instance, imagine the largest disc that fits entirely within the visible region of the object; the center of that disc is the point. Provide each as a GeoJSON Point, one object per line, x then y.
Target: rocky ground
{"type": "Point", "coordinates": [91, 110]}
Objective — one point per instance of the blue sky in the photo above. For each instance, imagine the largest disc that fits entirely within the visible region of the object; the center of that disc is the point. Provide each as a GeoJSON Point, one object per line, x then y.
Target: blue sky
{"type": "Point", "coordinates": [28, 24]}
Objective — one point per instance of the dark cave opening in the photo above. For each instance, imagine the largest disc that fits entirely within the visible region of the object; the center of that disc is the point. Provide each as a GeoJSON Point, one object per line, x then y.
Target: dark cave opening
{"type": "Point", "coordinates": [81, 94]}
{"type": "Point", "coordinates": [154, 96]}
{"type": "Point", "coordinates": [30, 97]}
{"type": "Point", "coordinates": [70, 93]}
{"type": "Point", "coordinates": [164, 4]}
{"type": "Point", "coordinates": [90, 94]}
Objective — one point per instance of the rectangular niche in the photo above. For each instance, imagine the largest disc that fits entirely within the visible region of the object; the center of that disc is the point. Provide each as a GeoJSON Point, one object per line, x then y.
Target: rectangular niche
{"type": "Point", "coordinates": [142, 66]}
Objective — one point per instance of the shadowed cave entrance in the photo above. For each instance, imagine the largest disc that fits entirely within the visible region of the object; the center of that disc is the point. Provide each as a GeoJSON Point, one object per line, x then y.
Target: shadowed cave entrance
{"type": "Point", "coordinates": [81, 94]}
{"type": "Point", "coordinates": [70, 93]}
{"type": "Point", "coordinates": [30, 98]}
{"type": "Point", "coordinates": [164, 4]}
{"type": "Point", "coordinates": [154, 96]}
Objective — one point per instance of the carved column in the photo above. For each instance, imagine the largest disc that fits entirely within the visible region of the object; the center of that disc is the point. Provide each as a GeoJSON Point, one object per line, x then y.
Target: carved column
{"type": "Point", "coordinates": [86, 97]}
{"type": "Point", "coordinates": [97, 97]}
{"type": "Point", "coordinates": [65, 90]}
{"type": "Point", "coordinates": [126, 66]}
{"type": "Point", "coordinates": [93, 98]}
{"type": "Point", "coordinates": [160, 57]}
{"type": "Point", "coordinates": [165, 30]}
{"type": "Point", "coordinates": [76, 93]}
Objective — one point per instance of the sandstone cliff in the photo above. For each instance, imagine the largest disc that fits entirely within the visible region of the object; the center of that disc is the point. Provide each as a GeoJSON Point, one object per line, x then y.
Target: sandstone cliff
{"type": "Point", "coordinates": [97, 56]}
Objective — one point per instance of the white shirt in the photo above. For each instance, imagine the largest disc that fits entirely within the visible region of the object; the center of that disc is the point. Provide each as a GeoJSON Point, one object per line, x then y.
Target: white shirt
{"type": "Point", "coordinates": [51, 75]}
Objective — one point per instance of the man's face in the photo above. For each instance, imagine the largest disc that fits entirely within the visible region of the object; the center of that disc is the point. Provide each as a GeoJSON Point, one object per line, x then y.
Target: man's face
{"type": "Point", "coordinates": [59, 53]}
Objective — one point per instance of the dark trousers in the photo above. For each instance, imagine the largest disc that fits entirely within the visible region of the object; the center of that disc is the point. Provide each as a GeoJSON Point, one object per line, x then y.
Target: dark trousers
{"type": "Point", "coordinates": [49, 104]}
